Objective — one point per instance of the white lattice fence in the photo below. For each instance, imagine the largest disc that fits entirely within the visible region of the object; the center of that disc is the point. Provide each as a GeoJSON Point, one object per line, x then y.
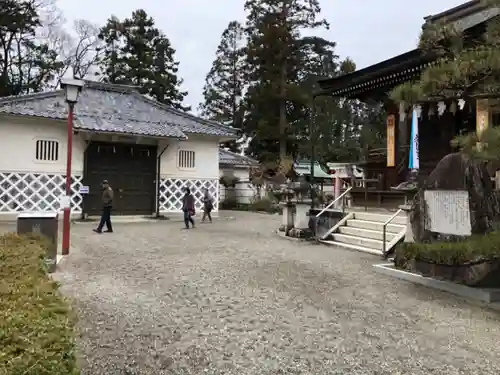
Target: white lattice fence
{"type": "Point", "coordinates": [36, 192]}
{"type": "Point", "coordinates": [172, 191]}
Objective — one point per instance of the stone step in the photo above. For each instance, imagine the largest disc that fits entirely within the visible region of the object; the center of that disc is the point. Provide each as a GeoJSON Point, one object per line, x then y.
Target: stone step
{"type": "Point", "coordinates": [380, 218]}
{"type": "Point", "coordinates": [353, 247]}
{"type": "Point", "coordinates": [374, 225]}
{"type": "Point", "coordinates": [359, 241]}
{"type": "Point", "coordinates": [366, 233]}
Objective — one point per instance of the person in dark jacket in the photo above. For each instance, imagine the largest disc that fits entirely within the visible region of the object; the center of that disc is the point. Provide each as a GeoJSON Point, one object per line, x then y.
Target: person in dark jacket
{"type": "Point", "coordinates": [208, 205]}
{"type": "Point", "coordinates": [188, 208]}
{"type": "Point", "coordinates": [107, 204]}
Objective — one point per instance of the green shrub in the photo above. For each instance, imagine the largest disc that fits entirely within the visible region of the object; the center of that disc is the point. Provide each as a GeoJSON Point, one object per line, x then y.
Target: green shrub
{"type": "Point", "coordinates": [258, 205]}
{"type": "Point", "coordinates": [264, 205]}
{"type": "Point", "coordinates": [228, 204]}
{"type": "Point", "coordinates": [36, 324]}
{"type": "Point", "coordinates": [470, 250]}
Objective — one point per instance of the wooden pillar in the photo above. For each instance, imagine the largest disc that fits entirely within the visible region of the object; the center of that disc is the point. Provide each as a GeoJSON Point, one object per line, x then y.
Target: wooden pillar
{"type": "Point", "coordinates": [404, 127]}
{"type": "Point", "coordinates": [391, 141]}
{"type": "Point", "coordinates": [390, 176]}
{"type": "Point", "coordinates": [482, 116]}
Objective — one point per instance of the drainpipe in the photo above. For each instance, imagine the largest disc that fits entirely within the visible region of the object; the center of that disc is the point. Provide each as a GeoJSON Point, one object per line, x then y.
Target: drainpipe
{"type": "Point", "coordinates": [158, 178]}
{"type": "Point", "coordinates": [84, 179]}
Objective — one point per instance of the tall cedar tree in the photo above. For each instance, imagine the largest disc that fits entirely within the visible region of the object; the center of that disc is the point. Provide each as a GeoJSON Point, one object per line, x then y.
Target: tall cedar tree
{"type": "Point", "coordinates": [138, 53]}
{"type": "Point", "coordinates": [467, 66]}
{"type": "Point", "coordinates": [343, 129]}
{"type": "Point", "coordinates": [275, 59]}
{"type": "Point", "coordinates": [364, 128]}
{"type": "Point", "coordinates": [26, 64]}
{"type": "Point", "coordinates": [225, 82]}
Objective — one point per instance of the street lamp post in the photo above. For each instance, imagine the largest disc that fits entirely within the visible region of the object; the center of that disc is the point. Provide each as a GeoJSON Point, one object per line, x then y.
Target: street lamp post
{"type": "Point", "coordinates": [72, 88]}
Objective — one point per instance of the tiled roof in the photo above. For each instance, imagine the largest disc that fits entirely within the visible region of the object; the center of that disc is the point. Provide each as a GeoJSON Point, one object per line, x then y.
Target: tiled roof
{"type": "Point", "coordinates": [303, 168]}
{"type": "Point", "coordinates": [115, 109]}
{"type": "Point", "coordinates": [229, 158]}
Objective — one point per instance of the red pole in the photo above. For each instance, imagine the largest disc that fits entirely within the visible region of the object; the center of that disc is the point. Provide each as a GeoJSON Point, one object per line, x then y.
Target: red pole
{"type": "Point", "coordinates": [69, 157]}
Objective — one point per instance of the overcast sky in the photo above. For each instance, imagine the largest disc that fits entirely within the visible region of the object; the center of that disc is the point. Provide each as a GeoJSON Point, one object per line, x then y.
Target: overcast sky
{"type": "Point", "coordinates": [368, 31]}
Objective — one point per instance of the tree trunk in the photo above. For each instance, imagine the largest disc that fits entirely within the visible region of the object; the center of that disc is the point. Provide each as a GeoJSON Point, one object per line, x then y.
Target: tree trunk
{"type": "Point", "coordinates": [283, 80]}
{"type": "Point", "coordinates": [282, 118]}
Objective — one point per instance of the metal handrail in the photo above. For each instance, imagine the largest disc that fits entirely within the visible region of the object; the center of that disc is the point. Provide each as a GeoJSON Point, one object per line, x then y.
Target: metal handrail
{"type": "Point", "coordinates": [334, 201]}
{"type": "Point", "coordinates": [384, 227]}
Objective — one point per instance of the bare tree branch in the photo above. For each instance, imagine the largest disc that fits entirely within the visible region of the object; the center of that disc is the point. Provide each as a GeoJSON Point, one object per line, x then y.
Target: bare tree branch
{"type": "Point", "coordinates": [78, 49]}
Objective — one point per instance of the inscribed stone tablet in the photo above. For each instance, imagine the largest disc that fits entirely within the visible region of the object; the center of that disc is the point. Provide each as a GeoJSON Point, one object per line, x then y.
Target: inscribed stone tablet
{"type": "Point", "coordinates": [448, 212]}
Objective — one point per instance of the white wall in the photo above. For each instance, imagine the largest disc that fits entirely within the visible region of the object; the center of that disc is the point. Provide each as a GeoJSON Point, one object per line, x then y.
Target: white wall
{"type": "Point", "coordinates": [174, 178]}
{"type": "Point", "coordinates": [18, 138]}
{"type": "Point", "coordinates": [206, 151]}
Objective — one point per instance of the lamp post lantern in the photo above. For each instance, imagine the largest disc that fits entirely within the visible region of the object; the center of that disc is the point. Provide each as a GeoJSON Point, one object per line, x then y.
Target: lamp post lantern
{"type": "Point", "coordinates": [72, 88]}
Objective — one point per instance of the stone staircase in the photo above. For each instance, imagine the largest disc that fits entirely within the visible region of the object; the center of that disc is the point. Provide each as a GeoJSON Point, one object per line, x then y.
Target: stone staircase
{"type": "Point", "coordinates": [363, 231]}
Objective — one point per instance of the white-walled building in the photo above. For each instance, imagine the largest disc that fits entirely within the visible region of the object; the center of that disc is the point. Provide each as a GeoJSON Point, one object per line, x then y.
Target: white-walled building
{"type": "Point", "coordinates": [147, 151]}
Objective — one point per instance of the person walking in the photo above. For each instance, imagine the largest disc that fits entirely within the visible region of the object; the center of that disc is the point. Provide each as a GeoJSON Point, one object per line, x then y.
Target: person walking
{"type": "Point", "coordinates": [107, 204]}
{"type": "Point", "coordinates": [208, 206]}
{"type": "Point", "coordinates": [188, 208]}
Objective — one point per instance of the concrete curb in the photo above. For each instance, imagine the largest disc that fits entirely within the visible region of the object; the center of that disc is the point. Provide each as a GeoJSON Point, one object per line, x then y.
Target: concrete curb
{"type": "Point", "coordinates": [485, 297]}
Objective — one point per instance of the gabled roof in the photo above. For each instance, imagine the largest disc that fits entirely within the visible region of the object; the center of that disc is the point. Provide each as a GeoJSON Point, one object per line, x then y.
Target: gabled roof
{"type": "Point", "coordinates": [231, 159]}
{"type": "Point", "coordinates": [374, 81]}
{"type": "Point", "coordinates": [115, 109]}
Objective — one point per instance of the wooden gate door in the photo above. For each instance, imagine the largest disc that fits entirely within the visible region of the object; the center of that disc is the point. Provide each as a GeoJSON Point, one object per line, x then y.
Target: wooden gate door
{"type": "Point", "coordinates": [131, 172]}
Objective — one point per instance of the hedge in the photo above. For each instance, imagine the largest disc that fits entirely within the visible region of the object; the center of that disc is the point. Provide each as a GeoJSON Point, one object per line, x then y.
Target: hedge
{"type": "Point", "coordinates": [259, 205]}
{"type": "Point", "coordinates": [36, 324]}
{"type": "Point", "coordinates": [473, 249]}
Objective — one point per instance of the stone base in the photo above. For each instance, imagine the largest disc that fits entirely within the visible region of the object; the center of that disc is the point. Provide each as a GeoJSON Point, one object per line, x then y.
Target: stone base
{"type": "Point", "coordinates": [300, 233]}
{"type": "Point", "coordinates": [478, 294]}
{"type": "Point", "coordinates": [284, 236]}
{"type": "Point", "coordinates": [284, 228]}
{"type": "Point", "coordinates": [483, 274]}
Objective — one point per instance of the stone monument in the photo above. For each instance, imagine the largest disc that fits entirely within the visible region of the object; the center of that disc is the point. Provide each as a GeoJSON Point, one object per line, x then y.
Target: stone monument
{"type": "Point", "coordinates": [456, 181]}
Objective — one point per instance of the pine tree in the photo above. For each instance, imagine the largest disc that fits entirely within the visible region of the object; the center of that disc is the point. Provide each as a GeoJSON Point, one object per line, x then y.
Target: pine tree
{"type": "Point", "coordinates": [26, 63]}
{"type": "Point", "coordinates": [112, 62]}
{"type": "Point", "coordinates": [137, 53]}
{"type": "Point", "coordinates": [275, 57]}
{"type": "Point", "coordinates": [466, 64]}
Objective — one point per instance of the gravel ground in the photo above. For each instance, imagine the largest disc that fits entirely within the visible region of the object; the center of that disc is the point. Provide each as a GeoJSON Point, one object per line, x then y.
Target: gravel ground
{"type": "Point", "coordinates": [233, 298]}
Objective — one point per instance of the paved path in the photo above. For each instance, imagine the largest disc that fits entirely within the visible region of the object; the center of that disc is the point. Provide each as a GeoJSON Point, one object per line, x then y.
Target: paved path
{"type": "Point", "coordinates": [232, 298]}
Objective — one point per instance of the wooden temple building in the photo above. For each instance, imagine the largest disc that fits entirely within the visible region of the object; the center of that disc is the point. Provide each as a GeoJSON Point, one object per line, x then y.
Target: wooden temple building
{"type": "Point", "coordinates": [439, 122]}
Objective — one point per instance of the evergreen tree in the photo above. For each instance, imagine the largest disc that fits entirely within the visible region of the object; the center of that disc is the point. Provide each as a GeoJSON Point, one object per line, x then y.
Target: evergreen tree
{"type": "Point", "coordinates": [137, 53]}
{"type": "Point", "coordinates": [467, 64]}
{"type": "Point", "coordinates": [26, 64]}
{"type": "Point", "coordinates": [344, 130]}
{"type": "Point", "coordinates": [275, 60]}
{"type": "Point", "coordinates": [225, 81]}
